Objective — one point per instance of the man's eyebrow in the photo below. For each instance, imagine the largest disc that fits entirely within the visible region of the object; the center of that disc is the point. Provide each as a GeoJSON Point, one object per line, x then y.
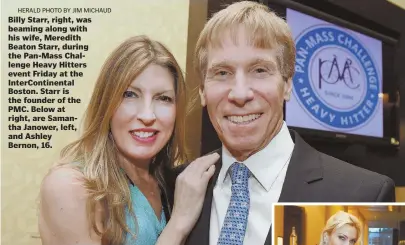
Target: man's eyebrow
{"type": "Point", "coordinates": [222, 63]}
{"type": "Point", "coordinates": [263, 61]}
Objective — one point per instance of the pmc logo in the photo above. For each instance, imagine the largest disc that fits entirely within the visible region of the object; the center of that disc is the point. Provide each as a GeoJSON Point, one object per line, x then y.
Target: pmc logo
{"type": "Point", "coordinates": [335, 80]}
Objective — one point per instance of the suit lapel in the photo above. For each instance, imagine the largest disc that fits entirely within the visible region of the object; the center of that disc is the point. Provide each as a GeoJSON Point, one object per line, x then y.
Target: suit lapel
{"type": "Point", "coordinates": [200, 234]}
{"type": "Point", "coordinates": [304, 168]}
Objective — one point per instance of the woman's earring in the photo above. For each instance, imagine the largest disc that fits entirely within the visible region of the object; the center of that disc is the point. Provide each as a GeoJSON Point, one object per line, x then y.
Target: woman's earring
{"type": "Point", "coordinates": [110, 135]}
{"type": "Point", "coordinates": [168, 151]}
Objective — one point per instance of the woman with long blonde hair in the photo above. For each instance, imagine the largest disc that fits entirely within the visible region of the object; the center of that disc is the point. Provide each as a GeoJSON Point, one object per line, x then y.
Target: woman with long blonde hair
{"type": "Point", "coordinates": [114, 185]}
{"type": "Point", "coordinates": [341, 228]}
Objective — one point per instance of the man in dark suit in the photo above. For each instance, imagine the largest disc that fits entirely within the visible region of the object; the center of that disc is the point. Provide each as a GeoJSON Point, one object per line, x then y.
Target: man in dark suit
{"type": "Point", "coordinates": [246, 58]}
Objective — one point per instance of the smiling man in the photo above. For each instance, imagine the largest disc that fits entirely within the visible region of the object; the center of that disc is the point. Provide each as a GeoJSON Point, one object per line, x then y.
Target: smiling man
{"type": "Point", "coordinates": [246, 57]}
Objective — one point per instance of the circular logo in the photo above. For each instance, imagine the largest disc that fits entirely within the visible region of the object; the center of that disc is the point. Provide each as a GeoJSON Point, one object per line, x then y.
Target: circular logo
{"type": "Point", "coordinates": [335, 81]}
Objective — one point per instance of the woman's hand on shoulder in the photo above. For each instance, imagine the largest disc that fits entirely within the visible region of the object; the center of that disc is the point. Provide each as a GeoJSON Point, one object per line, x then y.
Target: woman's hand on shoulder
{"type": "Point", "coordinates": [63, 218]}
{"type": "Point", "coordinates": [191, 186]}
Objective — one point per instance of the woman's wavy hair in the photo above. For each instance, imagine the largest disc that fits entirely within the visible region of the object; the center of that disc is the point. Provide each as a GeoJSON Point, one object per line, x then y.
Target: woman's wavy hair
{"type": "Point", "coordinates": [95, 152]}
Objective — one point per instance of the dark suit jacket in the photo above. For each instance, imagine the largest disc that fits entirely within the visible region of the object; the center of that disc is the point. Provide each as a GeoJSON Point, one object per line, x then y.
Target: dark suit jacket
{"type": "Point", "coordinates": [311, 177]}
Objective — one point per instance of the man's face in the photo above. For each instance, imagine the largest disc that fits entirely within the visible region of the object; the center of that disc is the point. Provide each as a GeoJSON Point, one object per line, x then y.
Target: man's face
{"type": "Point", "coordinates": [244, 94]}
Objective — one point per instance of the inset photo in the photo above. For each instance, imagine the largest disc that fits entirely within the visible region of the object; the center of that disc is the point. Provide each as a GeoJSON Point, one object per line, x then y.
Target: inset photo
{"type": "Point", "coordinates": [339, 224]}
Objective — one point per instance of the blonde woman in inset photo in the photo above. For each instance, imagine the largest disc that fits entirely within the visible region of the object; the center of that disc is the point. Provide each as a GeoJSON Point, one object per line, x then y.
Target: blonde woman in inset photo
{"type": "Point", "coordinates": [342, 229]}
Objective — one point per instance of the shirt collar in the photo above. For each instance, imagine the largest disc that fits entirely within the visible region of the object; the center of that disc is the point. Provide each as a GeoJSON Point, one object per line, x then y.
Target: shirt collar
{"type": "Point", "coordinates": [266, 164]}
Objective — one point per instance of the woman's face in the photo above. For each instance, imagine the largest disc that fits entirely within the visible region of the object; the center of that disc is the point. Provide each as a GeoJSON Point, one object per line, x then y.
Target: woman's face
{"type": "Point", "coordinates": [345, 235]}
{"type": "Point", "coordinates": [144, 121]}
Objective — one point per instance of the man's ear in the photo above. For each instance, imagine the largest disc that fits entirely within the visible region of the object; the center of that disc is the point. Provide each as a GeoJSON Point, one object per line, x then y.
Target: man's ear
{"type": "Point", "coordinates": [287, 89]}
{"type": "Point", "coordinates": [202, 97]}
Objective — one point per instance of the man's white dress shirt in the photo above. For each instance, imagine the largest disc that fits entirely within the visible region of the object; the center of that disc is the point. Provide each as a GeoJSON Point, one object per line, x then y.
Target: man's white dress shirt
{"type": "Point", "coordinates": [268, 168]}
